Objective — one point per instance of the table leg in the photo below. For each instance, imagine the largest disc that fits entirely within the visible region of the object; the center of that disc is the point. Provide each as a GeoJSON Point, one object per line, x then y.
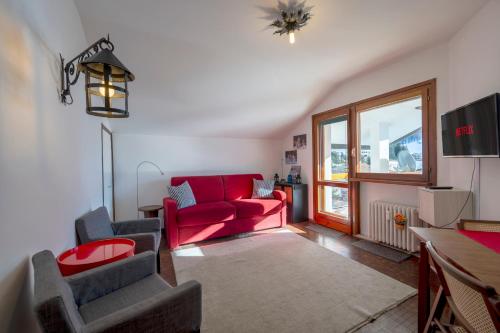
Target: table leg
{"type": "Point", "coordinates": [423, 288]}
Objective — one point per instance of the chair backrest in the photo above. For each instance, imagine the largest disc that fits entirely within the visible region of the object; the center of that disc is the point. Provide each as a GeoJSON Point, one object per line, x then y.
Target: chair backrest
{"type": "Point", "coordinates": [239, 186]}
{"type": "Point", "coordinates": [54, 302]}
{"type": "Point", "coordinates": [479, 225]}
{"type": "Point", "coordinates": [94, 225]}
{"type": "Point", "coordinates": [469, 298]}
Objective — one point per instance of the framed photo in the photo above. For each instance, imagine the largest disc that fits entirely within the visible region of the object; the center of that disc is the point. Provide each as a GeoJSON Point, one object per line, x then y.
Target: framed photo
{"type": "Point", "coordinates": [291, 157]}
{"type": "Point", "coordinates": [300, 141]}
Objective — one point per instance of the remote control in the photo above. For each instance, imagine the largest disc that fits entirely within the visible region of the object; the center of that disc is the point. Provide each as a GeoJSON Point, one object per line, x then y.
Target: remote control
{"type": "Point", "coordinates": [440, 187]}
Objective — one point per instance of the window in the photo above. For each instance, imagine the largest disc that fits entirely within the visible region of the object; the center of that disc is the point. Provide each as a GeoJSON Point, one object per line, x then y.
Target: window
{"type": "Point", "coordinates": [395, 138]}
{"type": "Point", "coordinates": [389, 138]}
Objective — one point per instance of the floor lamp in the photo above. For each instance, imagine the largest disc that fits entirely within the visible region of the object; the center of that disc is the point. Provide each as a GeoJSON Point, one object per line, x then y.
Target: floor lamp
{"type": "Point", "coordinates": [137, 180]}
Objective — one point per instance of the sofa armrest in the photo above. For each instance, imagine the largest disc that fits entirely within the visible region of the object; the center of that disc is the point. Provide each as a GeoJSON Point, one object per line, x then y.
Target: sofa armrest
{"type": "Point", "coordinates": [279, 195]}
{"type": "Point", "coordinates": [173, 310]}
{"type": "Point", "coordinates": [170, 222]}
{"type": "Point", "coordinates": [102, 280]}
{"type": "Point", "coordinates": [148, 241]}
{"type": "Point", "coordinates": [136, 226]}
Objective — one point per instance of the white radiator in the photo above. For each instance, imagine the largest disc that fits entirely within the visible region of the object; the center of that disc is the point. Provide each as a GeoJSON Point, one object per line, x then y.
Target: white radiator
{"type": "Point", "coordinates": [382, 228]}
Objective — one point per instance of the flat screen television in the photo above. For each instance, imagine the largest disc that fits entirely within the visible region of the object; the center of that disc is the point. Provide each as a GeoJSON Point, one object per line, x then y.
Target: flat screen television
{"type": "Point", "coordinates": [472, 130]}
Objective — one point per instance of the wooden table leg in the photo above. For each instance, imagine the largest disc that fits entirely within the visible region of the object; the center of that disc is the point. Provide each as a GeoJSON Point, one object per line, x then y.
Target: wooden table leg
{"type": "Point", "coordinates": [437, 308]}
{"type": "Point", "coordinates": [423, 288]}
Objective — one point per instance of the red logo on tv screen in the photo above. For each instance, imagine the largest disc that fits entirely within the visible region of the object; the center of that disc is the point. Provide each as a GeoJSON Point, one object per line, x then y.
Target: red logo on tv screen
{"type": "Point", "coordinates": [464, 130]}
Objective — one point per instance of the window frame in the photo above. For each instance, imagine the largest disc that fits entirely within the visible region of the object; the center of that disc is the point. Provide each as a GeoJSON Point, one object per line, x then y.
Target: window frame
{"type": "Point", "coordinates": [429, 151]}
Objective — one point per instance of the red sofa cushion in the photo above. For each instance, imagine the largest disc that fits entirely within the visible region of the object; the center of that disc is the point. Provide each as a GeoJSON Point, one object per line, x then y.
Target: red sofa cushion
{"type": "Point", "coordinates": [206, 213]}
{"type": "Point", "coordinates": [247, 208]}
{"type": "Point", "coordinates": [239, 186]}
{"type": "Point", "coordinates": [205, 188]}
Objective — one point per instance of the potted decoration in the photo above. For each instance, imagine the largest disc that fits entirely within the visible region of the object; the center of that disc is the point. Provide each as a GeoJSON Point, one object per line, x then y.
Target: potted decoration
{"type": "Point", "coordinates": [400, 221]}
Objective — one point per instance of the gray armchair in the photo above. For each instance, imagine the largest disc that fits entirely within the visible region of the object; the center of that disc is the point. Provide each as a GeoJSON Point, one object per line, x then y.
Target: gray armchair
{"type": "Point", "coordinates": [124, 296]}
{"type": "Point", "coordinates": [96, 225]}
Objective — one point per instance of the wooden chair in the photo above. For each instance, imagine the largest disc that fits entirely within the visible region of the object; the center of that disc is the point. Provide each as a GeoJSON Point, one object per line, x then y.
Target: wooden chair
{"type": "Point", "coordinates": [475, 305]}
{"type": "Point", "coordinates": [479, 225]}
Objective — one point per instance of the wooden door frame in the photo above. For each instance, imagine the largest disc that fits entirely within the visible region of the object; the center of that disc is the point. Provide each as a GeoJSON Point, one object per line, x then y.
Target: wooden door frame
{"type": "Point", "coordinates": [352, 223]}
{"type": "Point", "coordinates": [107, 130]}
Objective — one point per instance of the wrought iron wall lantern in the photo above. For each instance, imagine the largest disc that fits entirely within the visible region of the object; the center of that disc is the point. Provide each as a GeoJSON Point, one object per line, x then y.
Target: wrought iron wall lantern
{"type": "Point", "coordinates": [106, 80]}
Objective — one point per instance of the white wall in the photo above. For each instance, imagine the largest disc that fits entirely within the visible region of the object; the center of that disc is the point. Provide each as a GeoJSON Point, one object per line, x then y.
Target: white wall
{"type": "Point", "coordinates": [467, 67]}
{"type": "Point", "coordinates": [50, 165]}
{"type": "Point", "coordinates": [180, 156]}
{"type": "Point", "coordinates": [422, 66]}
{"type": "Point", "coordinates": [474, 73]}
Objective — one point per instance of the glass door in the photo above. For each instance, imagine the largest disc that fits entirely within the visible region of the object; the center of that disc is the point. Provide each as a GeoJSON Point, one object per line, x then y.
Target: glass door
{"type": "Point", "coordinates": [332, 162]}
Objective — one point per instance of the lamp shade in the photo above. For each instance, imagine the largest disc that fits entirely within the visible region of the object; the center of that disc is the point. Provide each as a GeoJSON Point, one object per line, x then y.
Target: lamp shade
{"type": "Point", "coordinates": [106, 85]}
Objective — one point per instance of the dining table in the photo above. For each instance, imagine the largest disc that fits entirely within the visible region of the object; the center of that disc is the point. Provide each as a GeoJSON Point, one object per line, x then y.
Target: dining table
{"type": "Point", "coordinates": [474, 253]}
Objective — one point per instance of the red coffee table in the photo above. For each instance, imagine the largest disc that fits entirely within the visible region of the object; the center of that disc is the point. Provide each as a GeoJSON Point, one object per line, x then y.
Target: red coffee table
{"type": "Point", "coordinates": [94, 254]}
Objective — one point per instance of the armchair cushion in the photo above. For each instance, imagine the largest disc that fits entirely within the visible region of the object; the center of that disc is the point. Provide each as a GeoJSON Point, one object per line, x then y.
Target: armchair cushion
{"type": "Point", "coordinates": [126, 296]}
{"type": "Point", "coordinates": [246, 208]}
{"type": "Point", "coordinates": [100, 281]}
{"type": "Point", "coordinates": [94, 225]}
{"type": "Point", "coordinates": [206, 213]}
{"type": "Point", "coordinates": [136, 226]}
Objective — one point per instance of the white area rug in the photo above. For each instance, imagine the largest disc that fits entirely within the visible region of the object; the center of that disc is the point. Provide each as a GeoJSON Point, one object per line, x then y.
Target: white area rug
{"type": "Point", "coordinates": [282, 282]}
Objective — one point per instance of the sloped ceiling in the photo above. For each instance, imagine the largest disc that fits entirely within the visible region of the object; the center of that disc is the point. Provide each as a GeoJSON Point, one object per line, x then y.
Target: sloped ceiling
{"type": "Point", "coordinates": [211, 68]}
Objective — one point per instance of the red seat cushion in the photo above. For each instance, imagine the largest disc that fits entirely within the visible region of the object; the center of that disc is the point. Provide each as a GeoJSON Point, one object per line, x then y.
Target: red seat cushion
{"type": "Point", "coordinates": [206, 213]}
{"type": "Point", "coordinates": [205, 188]}
{"type": "Point", "coordinates": [246, 208]}
{"type": "Point", "coordinates": [239, 186]}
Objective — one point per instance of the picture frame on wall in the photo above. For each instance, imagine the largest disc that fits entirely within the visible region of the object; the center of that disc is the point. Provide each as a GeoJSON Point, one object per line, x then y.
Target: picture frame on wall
{"type": "Point", "coordinates": [300, 141]}
{"type": "Point", "coordinates": [291, 157]}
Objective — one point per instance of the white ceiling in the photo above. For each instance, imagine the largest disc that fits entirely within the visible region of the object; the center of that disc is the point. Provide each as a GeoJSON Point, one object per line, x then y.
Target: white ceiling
{"type": "Point", "coordinates": [210, 68]}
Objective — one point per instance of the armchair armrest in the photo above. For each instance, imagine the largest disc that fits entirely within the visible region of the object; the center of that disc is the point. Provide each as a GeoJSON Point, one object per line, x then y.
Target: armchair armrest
{"type": "Point", "coordinates": [136, 226]}
{"type": "Point", "coordinates": [100, 281]}
{"type": "Point", "coordinates": [170, 222]}
{"type": "Point", "coordinates": [174, 310]}
{"type": "Point", "coordinates": [148, 241]}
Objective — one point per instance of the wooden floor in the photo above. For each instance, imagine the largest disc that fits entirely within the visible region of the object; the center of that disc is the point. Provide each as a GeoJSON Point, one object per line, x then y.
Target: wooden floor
{"type": "Point", "coordinates": [402, 318]}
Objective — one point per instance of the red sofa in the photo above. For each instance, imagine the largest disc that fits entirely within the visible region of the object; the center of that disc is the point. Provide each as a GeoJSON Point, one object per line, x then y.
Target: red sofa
{"type": "Point", "coordinates": [223, 207]}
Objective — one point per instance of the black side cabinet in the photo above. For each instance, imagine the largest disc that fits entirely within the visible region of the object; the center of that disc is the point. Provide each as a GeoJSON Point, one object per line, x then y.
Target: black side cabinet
{"type": "Point", "coordinates": [297, 202]}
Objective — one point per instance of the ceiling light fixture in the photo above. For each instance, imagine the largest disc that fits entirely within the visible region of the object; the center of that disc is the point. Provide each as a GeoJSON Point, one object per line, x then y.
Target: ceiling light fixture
{"type": "Point", "coordinates": [105, 80]}
{"type": "Point", "coordinates": [292, 17]}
